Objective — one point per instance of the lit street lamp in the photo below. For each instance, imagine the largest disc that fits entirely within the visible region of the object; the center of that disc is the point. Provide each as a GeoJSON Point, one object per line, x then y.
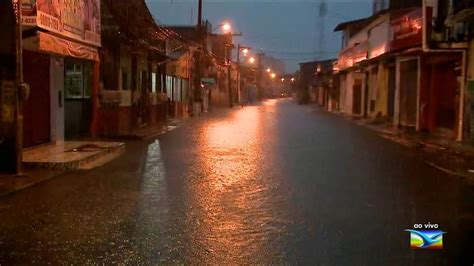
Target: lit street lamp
{"type": "Point", "coordinates": [273, 75]}
{"type": "Point", "coordinates": [226, 27]}
{"type": "Point", "coordinates": [251, 60]}
{"type": "Point", "coordinates": [282, 79]}
{"type": "Point", "coordinates": [292, 79]}
{"type": "Point", "coordinates": [269, 70]}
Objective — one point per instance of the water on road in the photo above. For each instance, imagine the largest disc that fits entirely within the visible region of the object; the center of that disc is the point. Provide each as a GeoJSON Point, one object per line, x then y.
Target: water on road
{"type": "Point", "coordinates": [271, 183]}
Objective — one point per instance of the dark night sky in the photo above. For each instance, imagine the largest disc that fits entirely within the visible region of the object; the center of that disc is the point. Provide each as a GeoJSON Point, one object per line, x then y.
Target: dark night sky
{"type": "Point", "coordinates": [288, 30]}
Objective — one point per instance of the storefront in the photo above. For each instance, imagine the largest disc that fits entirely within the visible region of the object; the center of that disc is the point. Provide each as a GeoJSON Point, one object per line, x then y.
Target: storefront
{"type": "Point", "coordinates": [77, 98]}
{"type": "Point", "coordinates": [408, 88]}
{"type": "Point", "coordinates": [37, 109]}
{"type": "Point", "coordinates": [406, 43]}
{"type": "Point", "coordinates": [61, 67]}
{"type": "Point", "coordinates": [439, 95]}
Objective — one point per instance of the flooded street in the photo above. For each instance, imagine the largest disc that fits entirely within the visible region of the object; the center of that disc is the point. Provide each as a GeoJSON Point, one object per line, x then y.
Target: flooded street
{"type": "Point", "coordinates": [269, 184]}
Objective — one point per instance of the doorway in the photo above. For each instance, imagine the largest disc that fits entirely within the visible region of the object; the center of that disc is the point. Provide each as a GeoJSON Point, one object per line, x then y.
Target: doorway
{"type": "Point", "coordinates": [408, 92]}
{"type": "Point", "coordinates": [77, 98]}
{"type": "Point", "coordinates": [357, 99]}
{"type": "Point", "coordinates": [392, 83]}
{"type": "Point", "coordinates": [36, 110]}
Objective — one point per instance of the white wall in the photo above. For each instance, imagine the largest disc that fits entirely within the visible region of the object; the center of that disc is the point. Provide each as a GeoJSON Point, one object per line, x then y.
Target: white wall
{"type": "Point", "coordinates": [346, 93]}
{"type": "Point", "coordinates": [379, 39]}
{"type": "Point", "coordinates": [359, 37]}
{"type": "Point", "coordinates": [342, 93]}
{"type": "Point", "coordinates": [57, 98]}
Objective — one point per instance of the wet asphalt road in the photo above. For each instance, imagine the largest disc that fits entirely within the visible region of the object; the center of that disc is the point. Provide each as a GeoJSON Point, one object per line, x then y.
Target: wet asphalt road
{"type": "Point", "coordinates": [274, 183]}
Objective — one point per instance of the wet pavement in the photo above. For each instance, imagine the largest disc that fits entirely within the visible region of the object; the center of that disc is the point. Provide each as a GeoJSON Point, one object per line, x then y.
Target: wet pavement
{"type": "Point", "coordinates": [268, 184]}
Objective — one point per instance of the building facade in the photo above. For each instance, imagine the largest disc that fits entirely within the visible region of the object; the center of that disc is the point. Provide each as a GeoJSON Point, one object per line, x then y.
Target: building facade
{"type": "Point", "coordinates": [407, 64]}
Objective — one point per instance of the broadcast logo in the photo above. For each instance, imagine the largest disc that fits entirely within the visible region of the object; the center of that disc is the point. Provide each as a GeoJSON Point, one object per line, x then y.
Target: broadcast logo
{"type": "Point", "coordinates": [425, 239]}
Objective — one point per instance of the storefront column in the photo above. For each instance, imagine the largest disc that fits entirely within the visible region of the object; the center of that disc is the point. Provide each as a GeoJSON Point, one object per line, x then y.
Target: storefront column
{"type": "Point", "coordinates": [396, 111]}
{"type": "Point", "coordinates": [95, 98]}
{"type": "Point", "coordinates": [469, 99]}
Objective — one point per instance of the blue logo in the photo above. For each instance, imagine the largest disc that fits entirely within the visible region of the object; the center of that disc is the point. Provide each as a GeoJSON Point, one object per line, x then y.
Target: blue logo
{"type": "Point", "coordinates": [426, 239]}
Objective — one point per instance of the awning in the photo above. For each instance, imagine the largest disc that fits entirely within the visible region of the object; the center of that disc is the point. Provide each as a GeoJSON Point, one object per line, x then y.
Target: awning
{"type": "Point", "coordinates": [47, 43]}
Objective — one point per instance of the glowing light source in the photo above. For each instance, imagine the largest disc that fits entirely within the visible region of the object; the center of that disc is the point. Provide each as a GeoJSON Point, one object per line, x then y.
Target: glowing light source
{"type": "Point", "coordinates": [273, 75]}
{"type": "Point", "coordinates": [251, 60]}
{"type": "Point", "coordinates": [226, 27]}
{"type": "Point", "coordinates": [269, 70]}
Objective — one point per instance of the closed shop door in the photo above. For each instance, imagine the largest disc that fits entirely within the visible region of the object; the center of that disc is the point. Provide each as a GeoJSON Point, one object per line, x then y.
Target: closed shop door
{"type": "Point", "coordinates": [392, 80]}
{"type": "Point", "coordinates": [77, 98]}
{"type": "Point", "coordinates": [408, 92]}
{"type": "Point", "coordinates": [36, 110]}
{"type": "Point", "coordinates": [357, 100]}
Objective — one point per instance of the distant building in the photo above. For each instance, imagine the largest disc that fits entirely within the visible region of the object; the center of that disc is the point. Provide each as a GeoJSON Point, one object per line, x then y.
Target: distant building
{"type": "Point", "coordinates": [407, 64]}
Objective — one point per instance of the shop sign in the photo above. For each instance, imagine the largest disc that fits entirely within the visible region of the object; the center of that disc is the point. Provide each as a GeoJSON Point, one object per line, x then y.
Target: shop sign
{"type": "Point", "coordinates": [76, 19]}
{"type": "Point", "coordinates": [407, 30]}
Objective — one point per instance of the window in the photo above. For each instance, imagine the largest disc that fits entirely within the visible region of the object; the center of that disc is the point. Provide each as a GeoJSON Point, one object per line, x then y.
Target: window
{"type": "Point", "coordinates": [169, 86]}
{"type": "Point", "coordinates": [153, 82]}
{"type": "Point", "coordinates": [73, 81]}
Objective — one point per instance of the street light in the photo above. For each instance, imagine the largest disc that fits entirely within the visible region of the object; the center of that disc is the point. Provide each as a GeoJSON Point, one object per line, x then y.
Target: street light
{"type": "Point", "coordinates": [245, 51]}
{"type": "Point", "coordinates": [225, 26]}
{"type": "Point", "coordinates": [273, 75]}
{"type": "Point", "coordinates": [292, 79]}
{"type": "Point", "coordinates": [282, 79]}
{"type": "Point", "coordinates": [251, 60]}
{"type": "Point", "coordinates": [268, 70]}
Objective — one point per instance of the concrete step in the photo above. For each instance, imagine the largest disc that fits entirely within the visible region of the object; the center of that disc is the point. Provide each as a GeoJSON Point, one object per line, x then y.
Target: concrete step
{"type": "Point", "coordinates": [69, 155]}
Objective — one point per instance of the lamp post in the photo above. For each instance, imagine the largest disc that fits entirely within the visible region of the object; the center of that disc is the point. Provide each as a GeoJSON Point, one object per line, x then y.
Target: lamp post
{"type": "Point", "coordinates": [197, 91]}
{"type": "Point", "coordinates": [18, 113]}
{"type": "Point", "coordinates": [244, 49]}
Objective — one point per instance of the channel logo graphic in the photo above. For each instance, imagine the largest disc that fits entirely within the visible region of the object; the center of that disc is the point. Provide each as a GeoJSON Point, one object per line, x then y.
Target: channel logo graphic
{"type": "Point", "coordinates": [426, 239]}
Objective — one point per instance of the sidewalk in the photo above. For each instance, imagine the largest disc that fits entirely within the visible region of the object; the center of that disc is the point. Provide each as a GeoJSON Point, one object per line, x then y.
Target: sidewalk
{"type": "Point", "coordinates": [442, 152]}
{"type": "Point", "coordinates": [30, 177]}
{"type": "Point", "coordinates": [49, 161]}
{"type": "Point", "coordinates": [68, 155]}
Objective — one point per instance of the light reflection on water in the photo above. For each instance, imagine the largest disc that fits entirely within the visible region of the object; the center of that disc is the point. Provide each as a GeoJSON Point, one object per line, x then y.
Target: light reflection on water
{"type": "Point", "coordinates": [235, 213]}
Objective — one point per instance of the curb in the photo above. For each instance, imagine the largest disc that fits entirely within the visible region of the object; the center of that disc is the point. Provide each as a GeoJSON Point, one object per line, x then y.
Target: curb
{"type": "Point", "coordinates": [76, 164]}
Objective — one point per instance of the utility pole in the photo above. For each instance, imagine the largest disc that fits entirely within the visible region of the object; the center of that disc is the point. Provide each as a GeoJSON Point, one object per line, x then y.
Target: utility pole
{"type": "Point", "coordinates": [20, 89]}
{"type": "Point", "coordinates": [229, 67]}
{"type": "Point", "coordinates": [198, 55]}
{"type": "Point", "coordinates": [259, 76]}
{"type": "Point", "coordinates": [230, 46]}
{"type": "Point", "coordinates": [9, 96]}
{"type": "Point", "coordinates": [12, 89]}
{"type": "Point", "coordinates": [238, 73]}
{"type": "Point", "coordinates": [239, 48]}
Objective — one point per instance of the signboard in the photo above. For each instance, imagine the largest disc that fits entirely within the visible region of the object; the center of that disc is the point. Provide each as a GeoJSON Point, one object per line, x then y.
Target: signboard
{"type": "Point", "coordinates": [76, 19]}
{"type": "Point", "coordinates": [407, 30]}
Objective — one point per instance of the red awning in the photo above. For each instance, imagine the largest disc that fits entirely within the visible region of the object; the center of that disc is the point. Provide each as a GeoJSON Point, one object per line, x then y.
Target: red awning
{"type": "Point", "coordinates": [47, 43]}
